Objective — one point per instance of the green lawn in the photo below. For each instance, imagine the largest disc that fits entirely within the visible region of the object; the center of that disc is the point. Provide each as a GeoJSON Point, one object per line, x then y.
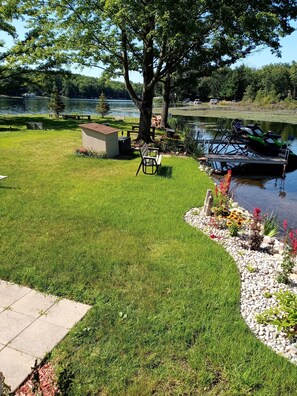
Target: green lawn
{"type": "Point", "coordinates": [165, 317]}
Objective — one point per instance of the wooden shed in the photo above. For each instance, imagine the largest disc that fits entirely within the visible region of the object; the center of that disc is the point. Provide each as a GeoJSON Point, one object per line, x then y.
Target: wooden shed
{"type": "Point", "coordinates": [100, 138]}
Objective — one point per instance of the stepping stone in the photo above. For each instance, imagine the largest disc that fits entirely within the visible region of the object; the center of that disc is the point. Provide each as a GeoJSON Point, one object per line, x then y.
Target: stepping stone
{"type": "Point", "coordinates": [31, 325]}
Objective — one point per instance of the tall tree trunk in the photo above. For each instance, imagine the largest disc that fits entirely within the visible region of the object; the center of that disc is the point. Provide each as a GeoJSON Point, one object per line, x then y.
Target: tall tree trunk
{"type": "Point", "coordinates": [166, 102]}
{"type": "Point", "coordinates": [146, 108]}
{"type": "Point", "coordinates": [145, 103]}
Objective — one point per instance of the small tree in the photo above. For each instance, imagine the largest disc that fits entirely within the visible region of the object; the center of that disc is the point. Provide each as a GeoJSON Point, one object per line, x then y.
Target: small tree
{"type": "Point", "coordinates": [102, 106]}
{"type": "Point", "coordinates": [56, 104]}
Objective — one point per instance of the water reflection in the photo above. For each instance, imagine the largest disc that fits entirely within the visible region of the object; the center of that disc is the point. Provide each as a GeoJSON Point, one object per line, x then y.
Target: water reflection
{"type": "Point", "coordinates": [39, 105]}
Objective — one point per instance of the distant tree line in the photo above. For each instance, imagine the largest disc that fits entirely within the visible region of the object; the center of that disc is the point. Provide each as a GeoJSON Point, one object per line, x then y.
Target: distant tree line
{"type": "Point", "coordinates": [68, 84]}
{"type": "Point", "coordinates": [274, 83]}
{"type": "Point", "coordinates": [267, 85]}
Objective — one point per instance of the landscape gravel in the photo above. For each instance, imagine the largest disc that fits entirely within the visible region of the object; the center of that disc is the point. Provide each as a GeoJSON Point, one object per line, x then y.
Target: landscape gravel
{"type": "Point", "coordinates": [258, 272]}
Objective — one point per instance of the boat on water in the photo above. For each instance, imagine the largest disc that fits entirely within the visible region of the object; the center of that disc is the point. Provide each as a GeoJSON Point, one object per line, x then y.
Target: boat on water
{"type": "Point", "coordinates": [263, 143]}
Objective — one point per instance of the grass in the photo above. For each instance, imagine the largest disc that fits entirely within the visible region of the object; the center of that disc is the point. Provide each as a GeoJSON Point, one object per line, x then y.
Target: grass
{"type": "Point", "coordinates": [165, 318]}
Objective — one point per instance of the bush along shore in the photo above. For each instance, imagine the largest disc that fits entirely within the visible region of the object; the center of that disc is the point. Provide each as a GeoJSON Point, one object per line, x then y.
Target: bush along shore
{"type": "Point", "coordinates": [266, 265]}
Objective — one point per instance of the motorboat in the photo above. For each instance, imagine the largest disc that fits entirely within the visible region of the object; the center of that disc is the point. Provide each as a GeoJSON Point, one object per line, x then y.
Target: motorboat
{"type": "Point", "coordinates": [263, 143]}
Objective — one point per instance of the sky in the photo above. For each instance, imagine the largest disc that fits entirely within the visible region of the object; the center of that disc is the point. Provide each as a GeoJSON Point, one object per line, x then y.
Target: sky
{"type": "Point", "coordinates": [264, 57]}
{"type": "Point", "coordinates": [258, 59]}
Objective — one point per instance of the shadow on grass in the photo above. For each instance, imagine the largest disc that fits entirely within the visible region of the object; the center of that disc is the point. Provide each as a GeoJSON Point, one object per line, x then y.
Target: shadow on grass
{"type": "Point", "coordinates": [9, 188]}
{"type": "Point", "coordinates": [8, 129]}
{"type": "Point", "coordinates": [165, 171]}
{"type": "Point", "coordinates": [130, 156]}
{"type": "Point", "coordinates": [12, 123]}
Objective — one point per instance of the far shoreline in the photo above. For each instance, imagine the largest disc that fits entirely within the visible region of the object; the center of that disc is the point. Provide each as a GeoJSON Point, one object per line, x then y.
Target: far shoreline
{"type": "Point", "coordinates": [288, 116]}
{"type": "Point", "coordinates": [227, 110]}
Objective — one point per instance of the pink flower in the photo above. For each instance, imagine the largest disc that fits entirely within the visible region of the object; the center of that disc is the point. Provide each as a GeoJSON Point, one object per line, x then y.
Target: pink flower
{"type": "Point", "coordinates": [285, 224]}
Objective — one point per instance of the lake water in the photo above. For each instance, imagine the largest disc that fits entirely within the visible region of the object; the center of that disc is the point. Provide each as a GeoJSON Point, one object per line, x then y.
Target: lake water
{"type": "Point", "coordinates": [39, 105]}
{"type": "Point", "coordinates": [264, 189]}
{"type": "Point", "coordinates": [269, 192]}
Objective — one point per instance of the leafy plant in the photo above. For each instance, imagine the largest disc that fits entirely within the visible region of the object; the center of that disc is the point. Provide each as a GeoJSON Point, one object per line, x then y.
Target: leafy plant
{"type": "Point", "coordinates": [218, 222]}
{"type": "Point", "coordinates": [235, 221]}
{"type": "Point", "coordinates": [270, 225]}
{"type": "Point", "coordinates": [284, 315]}
{"type": "Point", "coordinates": [4, 389]}
{"type": "Point", "coordinates": [178, 123]}
{"type": "Point", "coordinates": [167, 145]}
{"type": "Point", "coordinates": [256, 235]}
{"type": "Point", "coordinates": [289, 254]}
{"type": "Point", "coordinates": [191, 146]}
{"type": "Point", "coordinates": [82, 151]}
{"type": "Point", "coordinates": [222, 195]}
{"type": "Point", "coordinates": [250, 268]}
{"type": "Point", "coordinates": [233, 228]}
{"type": "Point", "coordinates": [267, 294]}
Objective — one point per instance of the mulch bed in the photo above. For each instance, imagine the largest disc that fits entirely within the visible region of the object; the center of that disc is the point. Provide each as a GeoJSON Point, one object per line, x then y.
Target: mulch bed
{"type": "Point", "coordinates": [41, 382]}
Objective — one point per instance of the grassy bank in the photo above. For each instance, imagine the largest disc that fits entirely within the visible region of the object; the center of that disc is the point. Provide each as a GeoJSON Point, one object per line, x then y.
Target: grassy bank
{"type": "Point", "coordinates": [165, 318]}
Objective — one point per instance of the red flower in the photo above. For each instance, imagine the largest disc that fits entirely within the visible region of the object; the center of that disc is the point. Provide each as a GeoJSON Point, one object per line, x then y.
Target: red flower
{"type": "Point", "coordinates": [257, 212]}
{"type": "Point", "coordinates": [285, 224]}
{"type": "Point", "coordinates": [212, 236]}
{"type": "Point", "coordinates": [216, 190]}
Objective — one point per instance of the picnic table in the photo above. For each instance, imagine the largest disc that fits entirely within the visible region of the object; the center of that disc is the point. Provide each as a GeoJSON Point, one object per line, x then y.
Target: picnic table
{"type": "Point", "coordinates": [135, 132]}
{"type": "Point", "coordinates": [76, 116]}
{"type": "Point", "coordinates": [35, 125]}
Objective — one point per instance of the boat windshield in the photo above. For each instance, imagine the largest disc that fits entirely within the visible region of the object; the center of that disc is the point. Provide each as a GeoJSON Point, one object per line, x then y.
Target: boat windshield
{"type": "Point", "coordinates": [270, 141]}
{"type": "Point", "coordinates": [247, 130]}
{"type": "Point", "coordinates": [258, 132]}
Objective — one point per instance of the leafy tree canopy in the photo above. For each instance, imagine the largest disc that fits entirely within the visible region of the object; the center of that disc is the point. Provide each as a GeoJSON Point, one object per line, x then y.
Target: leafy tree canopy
{"type": "Point", "coordinates": [153, 37]}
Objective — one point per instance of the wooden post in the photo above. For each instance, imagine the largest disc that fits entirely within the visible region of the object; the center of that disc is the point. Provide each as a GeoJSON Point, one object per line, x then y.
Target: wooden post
{"type": "Point", "coordinates": [208, 203]}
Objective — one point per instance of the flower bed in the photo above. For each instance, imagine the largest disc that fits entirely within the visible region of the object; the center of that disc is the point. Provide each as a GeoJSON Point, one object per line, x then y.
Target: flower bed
{"type": "Point", "coordinates": [258, 271]}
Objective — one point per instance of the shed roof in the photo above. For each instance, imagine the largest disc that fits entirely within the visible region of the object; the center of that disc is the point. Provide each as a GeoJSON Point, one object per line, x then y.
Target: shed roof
{"type": "Point", "coordinates": [100, 128]}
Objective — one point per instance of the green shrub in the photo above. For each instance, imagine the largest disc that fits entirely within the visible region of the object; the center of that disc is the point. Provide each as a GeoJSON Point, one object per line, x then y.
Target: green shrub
{"type": "Point", "coordinates": [270, 225]}
{"type": "Point", "coordinates": [289, 254]}
{"type": "Point", "coordinates": [89, 153]}
{"type": "Point", "coordinates": [284, 315]}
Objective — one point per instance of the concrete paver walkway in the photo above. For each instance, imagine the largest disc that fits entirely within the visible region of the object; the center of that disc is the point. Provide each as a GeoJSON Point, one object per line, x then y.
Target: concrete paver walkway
{"type": "Point", "coordinates": [31, 324]}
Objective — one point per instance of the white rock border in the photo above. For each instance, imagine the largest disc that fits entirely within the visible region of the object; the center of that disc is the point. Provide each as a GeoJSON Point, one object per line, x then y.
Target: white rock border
{"type": "Point", "coordinates": [258, 272]}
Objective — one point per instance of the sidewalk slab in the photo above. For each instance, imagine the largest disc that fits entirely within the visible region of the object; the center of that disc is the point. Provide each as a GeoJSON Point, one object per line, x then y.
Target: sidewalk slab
{"type": "Point", "coordinates": [11, 324]}
{"type": "Point", "coordinates": [10, 293]}
{"type": "Point", "coordinates": [34, 304]}
{"type": "Point", "coordinates": [39, 338]}
{"type": "Point", "coordinates": [31, 325]}
{"type": "Point", "coordinates": [65, 313]}
{"type": "Point", "coordinates": [16, 367]}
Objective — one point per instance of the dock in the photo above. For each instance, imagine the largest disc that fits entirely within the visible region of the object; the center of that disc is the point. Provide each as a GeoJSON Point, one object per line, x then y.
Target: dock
{"type": "Point", "coordinates": [216, 141]}
{"type": "Point", "coordinates": [246, 159]}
